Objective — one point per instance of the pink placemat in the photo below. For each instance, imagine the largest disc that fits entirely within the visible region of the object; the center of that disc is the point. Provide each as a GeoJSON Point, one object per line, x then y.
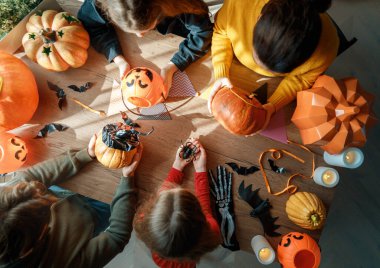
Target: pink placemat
{"type": "Point", "coordinates": [181, 86]}
{"type": "Point", "coordinates": [276, 129]}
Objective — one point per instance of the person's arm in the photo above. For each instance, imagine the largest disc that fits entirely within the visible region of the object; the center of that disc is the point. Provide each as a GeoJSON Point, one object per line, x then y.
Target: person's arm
{"type": "Point", "coordinates": [221, 47]}
{"type": "Point", "coordinates": [202, 192]}
{"type": "Point", "coordinates": [174, 179]}
{"type": "Point", "coordinates": [197, 42]}
{"type": "Point", "coordinates": [102, 248]}
{"type": "Point", "coordinates": [102, 34]}
{"type": "Point", "coordinates": [55, 170]}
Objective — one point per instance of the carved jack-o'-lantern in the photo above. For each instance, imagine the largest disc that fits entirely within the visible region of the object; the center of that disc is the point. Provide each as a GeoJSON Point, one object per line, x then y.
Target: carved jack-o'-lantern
{"type": "Point", "coordinates": [13, 152]}
{"type": "Point", "coordinates": [238, 112]}
{"type": "Point", "coordinates": [143, 87]}
{"type": "Point", "coordinates": [298, 250]}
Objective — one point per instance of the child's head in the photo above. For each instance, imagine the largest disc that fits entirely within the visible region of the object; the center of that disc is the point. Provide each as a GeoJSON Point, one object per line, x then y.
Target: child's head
{"type": "Point", "coordinates": [174, 226]}
{"type": "Point", "coordinates": [137, 16]}
{"type": "Point", "coordinates": [24, 215]}
{"type": "Point", "coordinates": [288, 32]}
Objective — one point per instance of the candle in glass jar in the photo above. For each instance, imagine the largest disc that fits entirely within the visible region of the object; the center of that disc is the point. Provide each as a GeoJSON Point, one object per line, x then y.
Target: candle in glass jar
{"type": "Point", "coordinates": [326, 176]}
{"type": "Point", "coordinates": [263, 250]}
{"type": "Point", "coordinates": [349, 158]}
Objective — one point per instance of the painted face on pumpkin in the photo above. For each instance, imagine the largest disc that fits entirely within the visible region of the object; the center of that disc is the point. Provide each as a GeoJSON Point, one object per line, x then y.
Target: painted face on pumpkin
{"type": "Point", "coordinates": [143, 87]}
{"type": "Point", "coordinates": [13, 153]}
{"type": "Point", "coordinates": [287, 240]}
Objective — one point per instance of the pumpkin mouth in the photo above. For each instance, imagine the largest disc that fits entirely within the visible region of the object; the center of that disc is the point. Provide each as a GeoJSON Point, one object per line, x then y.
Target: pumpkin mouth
{"type": "Point", "coordinates": [140, 102]}
{"type": "Point", "coordinates": [304, 259]}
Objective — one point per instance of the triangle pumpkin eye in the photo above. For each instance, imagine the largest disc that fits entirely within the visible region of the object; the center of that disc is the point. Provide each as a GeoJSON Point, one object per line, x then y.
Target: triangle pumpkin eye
{"type": "Point", "coordinates": [129, 84]}
{"type": "Point", "coordinates": [142, 85]}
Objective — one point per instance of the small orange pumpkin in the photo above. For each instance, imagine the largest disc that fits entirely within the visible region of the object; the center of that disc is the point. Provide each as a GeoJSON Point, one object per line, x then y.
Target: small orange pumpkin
{"type": "Point", "coordinates": [306, 210]}
{"type": "Point", "coordinates": [13, 152]}
{"type": "Point", "coordinates": [116, 145]}
{"type": "Point", "coordinates": [298, 250]}
{"type": "Point", "coordinates": [238, 112]}
{"type": "Point", "coordinates": [18, 92]}
{"type": "Point", "coordinates": [143, 87]}
{"type": "Point", "coordinates": [56, 41]}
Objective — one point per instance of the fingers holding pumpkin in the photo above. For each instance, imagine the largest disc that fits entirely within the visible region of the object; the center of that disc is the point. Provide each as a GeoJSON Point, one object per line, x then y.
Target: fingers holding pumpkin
{"type": "Point", "coordinates": [218, 84]}
{"type": "Point", "coordinates": [130, 169]}
{"type": "Point", "coordinates": [91, 146]}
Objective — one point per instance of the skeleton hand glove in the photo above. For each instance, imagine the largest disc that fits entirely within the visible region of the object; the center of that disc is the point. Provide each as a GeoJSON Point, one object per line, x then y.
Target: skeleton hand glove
{"type": "Point", "coordinates": [221, 189]}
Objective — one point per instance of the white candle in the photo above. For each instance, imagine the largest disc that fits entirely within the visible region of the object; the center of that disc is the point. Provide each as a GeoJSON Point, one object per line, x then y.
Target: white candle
{"type": "Point", "coordinates": [326, 176]}
{"type": "Point", "coordinates": [349, 158]}
{"type": "Point", "coordinates": [263, 250]}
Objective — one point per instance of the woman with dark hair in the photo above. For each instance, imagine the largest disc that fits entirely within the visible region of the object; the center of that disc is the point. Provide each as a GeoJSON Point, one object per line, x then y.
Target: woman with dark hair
{"type": "Point", "coordinates": [293, 39]}
{"type": "Point", "coordinates": [186, 18]}
{"type": "Point", "coordinates": [41, 227]}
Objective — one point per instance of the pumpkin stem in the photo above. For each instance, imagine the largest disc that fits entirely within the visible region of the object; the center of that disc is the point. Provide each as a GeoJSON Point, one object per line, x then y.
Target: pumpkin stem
{"type": "Point", "coordinates": [48, 36]}
{"type": "Point", "coordinates": [315, 218]}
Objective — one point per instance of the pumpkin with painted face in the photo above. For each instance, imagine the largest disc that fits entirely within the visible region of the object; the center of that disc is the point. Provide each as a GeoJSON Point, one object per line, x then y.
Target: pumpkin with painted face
{"type": "Point", "coordinates": [143, 87]}
{"type": "Point", "coordinates": [18, 92]}
{"type": "Point", "coordinates": [13, 152]}
{"type": "Point", "coordinates": [298, 250]}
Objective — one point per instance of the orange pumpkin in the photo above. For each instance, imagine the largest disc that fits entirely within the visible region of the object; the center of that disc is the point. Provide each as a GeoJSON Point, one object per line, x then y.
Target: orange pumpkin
{"type": "Point", "coordinates": [56, 41]}
{"type": "Point", "coordinates": [116, 145]}
{"type": "Point", "coordinates": [298, 250]}
{"type": "Point", "coordinates": [143, 87]}
{"type": "Point", "coordinates": [13, 152]}
{"type": "Point", "coordinates": [238, 112]}
{"type": "Point", "coordinates": [18, 92]}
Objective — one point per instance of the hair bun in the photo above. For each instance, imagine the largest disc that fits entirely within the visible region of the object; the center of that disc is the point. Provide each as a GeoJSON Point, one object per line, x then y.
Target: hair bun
{"type": "Point", "coordinates": [320, 5]}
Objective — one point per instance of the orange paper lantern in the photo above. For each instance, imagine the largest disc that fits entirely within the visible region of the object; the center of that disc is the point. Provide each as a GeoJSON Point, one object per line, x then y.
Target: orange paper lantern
{"type": "Point", "coordinates": [334, 114]}
{"type": "Point", "coordinates": [13, 152]}
{"type": "Point", "coordinates": [143, 87]}
{"type": "Point", "coordinates": [298, 250]}
{"type": "Point", "coordinates": [238, 112]}
{"type": "Point", "coordinates": [18, 92]}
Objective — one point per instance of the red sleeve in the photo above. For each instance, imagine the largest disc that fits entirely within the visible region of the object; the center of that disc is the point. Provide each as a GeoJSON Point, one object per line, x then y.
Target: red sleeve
{"type": "Point", "coordinates": [202, 191]}
{"type": "Point", "coordinates": [175, 178]}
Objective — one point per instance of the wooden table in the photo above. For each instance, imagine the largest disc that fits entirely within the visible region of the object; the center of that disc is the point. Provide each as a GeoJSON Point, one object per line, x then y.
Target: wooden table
{"type": "Point", "coordinates": [189, 118]}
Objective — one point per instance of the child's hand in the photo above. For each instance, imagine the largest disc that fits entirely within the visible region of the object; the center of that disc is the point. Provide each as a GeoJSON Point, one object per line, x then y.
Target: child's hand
{"type": "Point", "coordinates": [91, 146]}
{"type": "Point", "coordinates": [200, 159]}
{"type": "Point", "coordinates": [167, 74]}
{"type": "Point", "coordinates": [180, 163]}
{"type": "Point", "coordinates": [218, 84]}
{"type": "Point", "coordinates": [129, 171]}
{"type": "Point", "coordinates": [123, 65]}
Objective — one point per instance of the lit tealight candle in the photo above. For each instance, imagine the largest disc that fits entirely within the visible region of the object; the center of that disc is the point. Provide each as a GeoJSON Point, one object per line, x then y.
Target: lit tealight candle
{"type": "Point", "coordinates": [263, 250]}
{"type": "Point", "coordinates": [349, 158]}
{"type": "Point", "coordinates": [326, 176]}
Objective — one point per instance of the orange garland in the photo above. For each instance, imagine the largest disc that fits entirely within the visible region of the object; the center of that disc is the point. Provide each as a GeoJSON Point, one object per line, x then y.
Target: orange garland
{"type": "Point", "coordinates": [277, 154]}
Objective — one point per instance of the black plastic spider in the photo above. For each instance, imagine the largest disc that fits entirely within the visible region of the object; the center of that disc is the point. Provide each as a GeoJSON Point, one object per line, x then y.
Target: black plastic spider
{"type": "Point", "coordinates": [188, 151]}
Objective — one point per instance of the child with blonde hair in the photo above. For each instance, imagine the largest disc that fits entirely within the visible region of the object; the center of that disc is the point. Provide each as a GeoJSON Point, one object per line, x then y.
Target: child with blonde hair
{"type": "Point", "coordinates": [177, 225]}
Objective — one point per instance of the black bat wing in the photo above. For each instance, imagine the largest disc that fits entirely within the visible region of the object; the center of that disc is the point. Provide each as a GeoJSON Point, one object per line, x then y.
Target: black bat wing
{"type": "Point", "coordinates": [242, 170]}
{"type": "Point", "coordinates": [268, 223]}
{"type": "Point", "coordinates": [249, 196]}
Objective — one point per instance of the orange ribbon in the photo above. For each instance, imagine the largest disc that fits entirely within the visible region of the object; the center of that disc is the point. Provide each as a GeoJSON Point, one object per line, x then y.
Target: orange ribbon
{"type": "Point", "coordinates": [277, 154]}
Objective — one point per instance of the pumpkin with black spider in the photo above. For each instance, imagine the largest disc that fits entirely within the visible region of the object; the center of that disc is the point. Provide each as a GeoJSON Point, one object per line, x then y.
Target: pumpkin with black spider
{"type": "Point", "coordinates": [117, 143]}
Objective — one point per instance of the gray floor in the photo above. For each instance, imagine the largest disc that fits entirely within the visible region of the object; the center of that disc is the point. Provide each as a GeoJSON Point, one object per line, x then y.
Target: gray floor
{"type": "Point", "coordinates": [351, 237]}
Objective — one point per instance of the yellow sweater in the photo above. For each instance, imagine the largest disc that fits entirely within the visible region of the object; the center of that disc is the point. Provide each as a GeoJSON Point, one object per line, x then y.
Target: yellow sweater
{"type": "Point", "coordinates": [233, 34]}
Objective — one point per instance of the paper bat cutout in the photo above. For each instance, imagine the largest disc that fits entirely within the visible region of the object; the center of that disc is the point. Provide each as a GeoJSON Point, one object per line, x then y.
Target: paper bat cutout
{"type": "Point", "coordinates": [60, 93]}
{"type": "Point", "coordinates": [49, 128]}
{"type": "Point", "coordinates": [243, 170]}
{"type": "Point", "coordinates": [81, 89]}
{"type": "Point", "coordinates": [280, 170]}
{"type": "Point", "coordinates": [128, 121]}
{"type": "Point", "coordinates": [260, 209]}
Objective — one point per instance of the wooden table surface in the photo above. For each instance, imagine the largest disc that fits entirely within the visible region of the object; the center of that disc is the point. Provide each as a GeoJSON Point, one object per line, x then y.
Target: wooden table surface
{"type": "Point", "coordinates": [189, 118]}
